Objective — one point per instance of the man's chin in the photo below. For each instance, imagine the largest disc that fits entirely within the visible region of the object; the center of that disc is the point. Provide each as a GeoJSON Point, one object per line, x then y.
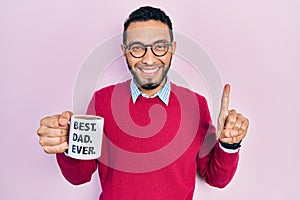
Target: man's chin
{"type": "Point", "coordinates": [150, 86]}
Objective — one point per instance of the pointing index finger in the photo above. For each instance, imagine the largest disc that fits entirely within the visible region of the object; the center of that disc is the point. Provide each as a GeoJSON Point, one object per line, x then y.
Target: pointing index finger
{"type": "Point", "coordinates": [225, 98]}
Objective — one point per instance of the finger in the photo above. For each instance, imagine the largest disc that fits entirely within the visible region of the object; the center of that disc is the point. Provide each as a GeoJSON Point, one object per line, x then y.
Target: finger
{"type": "Point", "coordinates": [52, 141]}
{"type": "Point", "coordinates": [230, 120]}
{"type": "Point", "coordinates": [53, 132]}
{"type": "Point", "coordinates": [238, 123]}
{"type": "Point", "coordinates": [64, 118]}
{"type": "Point", "coordinates": [245, 125]}
{"type": "Point", "coordinates": [232, 140]}
{"type": "Point", "coordinates": [230, 136]}
{"type": "Point", "coordinates": [56, 149]}
{"type": "Point", "coordinates": [221, 122]}
{"type": "Point", "coordinates": [229, 133]}
{"type": "Point", "coordinates": [225, 98]}
{"type": "Point", "coordinates": [50, 121]}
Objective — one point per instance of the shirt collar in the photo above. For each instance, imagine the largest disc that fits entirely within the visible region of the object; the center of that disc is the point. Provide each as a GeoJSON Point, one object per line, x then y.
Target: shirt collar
{"type": "Point", "coordinates": [163, 94]}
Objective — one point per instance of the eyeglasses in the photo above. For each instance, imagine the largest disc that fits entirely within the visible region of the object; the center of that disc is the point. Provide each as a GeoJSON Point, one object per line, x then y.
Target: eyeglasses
{"type": "Point", "coordinates": [158, 48]}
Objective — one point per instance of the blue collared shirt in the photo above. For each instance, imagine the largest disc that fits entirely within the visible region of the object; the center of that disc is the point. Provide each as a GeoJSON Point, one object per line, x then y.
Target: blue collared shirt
{"type": "Point", "coordinates": [163, 94]}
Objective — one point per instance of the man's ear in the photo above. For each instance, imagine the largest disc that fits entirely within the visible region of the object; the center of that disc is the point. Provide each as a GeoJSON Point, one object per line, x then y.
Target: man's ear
{"type": "Point", "coordinates": [173, 47]}
{"type": "Point", "coordinates": [123, 50]}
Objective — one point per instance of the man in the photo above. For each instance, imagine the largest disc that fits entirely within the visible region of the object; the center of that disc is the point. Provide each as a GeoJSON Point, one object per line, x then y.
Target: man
{"type": "Point", "coordinates": [150, 98]}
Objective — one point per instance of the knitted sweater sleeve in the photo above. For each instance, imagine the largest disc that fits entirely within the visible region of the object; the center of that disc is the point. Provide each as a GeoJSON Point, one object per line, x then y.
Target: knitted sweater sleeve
{"type": "Point", "coordinates": [77, 171]}
{"type": "Point", "coordinates": [215, 165]}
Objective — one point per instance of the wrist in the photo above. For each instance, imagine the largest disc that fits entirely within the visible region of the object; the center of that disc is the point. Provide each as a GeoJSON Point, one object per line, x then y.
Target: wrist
{"type": "Point", "coordinates": [230, 146]}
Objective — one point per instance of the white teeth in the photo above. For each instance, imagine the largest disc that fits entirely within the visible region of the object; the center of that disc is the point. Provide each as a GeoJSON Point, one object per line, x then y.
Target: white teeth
{"type": "Point", "coordinates": [150, 71]}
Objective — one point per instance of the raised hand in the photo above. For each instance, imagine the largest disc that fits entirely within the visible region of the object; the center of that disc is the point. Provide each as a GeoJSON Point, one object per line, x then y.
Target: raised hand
{"type": "Point", "coordinates": [54, 132]}
{"type": "Point", "coordinates": [232, 126]}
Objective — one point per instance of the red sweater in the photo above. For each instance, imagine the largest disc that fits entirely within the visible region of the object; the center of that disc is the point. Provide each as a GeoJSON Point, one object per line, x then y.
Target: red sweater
{"type": "Point", "coordinates": [150, 150]}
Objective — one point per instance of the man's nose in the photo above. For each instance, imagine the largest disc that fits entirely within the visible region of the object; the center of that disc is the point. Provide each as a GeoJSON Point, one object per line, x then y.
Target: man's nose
{"type": "Point", "coordinates": [149, 58]}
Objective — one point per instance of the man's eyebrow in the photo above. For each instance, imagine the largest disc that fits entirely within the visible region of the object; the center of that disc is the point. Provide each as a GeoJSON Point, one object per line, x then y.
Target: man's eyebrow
{"type": "Point", "coordinates": [134, 42]}
{"type": "Point", "coordinates": [162, 40]}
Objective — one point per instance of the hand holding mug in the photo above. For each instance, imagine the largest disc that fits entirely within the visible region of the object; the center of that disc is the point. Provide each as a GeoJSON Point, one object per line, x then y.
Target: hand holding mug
{"type": "Point", "coordinates": [54, 132]}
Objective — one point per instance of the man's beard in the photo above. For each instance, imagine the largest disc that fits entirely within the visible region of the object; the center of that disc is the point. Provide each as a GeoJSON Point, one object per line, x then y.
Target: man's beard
{"type": "Point", "coordinates": [150, 85]}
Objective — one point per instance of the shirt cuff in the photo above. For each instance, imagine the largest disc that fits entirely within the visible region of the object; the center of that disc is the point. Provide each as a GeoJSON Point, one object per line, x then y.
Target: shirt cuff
{"type": "Point", "coordinates": [228, 150]}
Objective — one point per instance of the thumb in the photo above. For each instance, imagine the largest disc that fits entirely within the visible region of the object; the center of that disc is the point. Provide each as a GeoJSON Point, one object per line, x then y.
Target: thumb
{"type": "Point", "coordinates": [64, 118]}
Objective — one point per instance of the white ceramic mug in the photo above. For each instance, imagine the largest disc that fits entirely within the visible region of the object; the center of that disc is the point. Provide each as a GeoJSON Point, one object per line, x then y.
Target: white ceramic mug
{"type": "Point", "coordinates": [85, 137]}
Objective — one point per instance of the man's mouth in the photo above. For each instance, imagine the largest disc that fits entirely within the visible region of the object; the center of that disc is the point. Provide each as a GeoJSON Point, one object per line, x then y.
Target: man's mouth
{"type": "Point", "coordinates": [150, 70]}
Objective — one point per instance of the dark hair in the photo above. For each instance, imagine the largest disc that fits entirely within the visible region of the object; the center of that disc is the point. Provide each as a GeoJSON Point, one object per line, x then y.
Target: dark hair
{"type": "Point", "coordinates": [148, 13]}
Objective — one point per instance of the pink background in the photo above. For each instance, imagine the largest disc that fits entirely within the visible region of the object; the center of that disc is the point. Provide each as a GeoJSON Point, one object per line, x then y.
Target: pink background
{"type": "Point", "coordinates": [254, 44]}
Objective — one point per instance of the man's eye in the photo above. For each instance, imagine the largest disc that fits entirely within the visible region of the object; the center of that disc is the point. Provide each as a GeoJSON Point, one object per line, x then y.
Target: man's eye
{"type": "Point", "coordinates": [160, 46]}
{"type": "Point", "coordinates": [136, 48]}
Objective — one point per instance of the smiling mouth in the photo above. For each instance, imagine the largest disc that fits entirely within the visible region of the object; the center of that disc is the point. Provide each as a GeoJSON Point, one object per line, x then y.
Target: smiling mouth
{"type": "Point", "coordinates": [149, 71]}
